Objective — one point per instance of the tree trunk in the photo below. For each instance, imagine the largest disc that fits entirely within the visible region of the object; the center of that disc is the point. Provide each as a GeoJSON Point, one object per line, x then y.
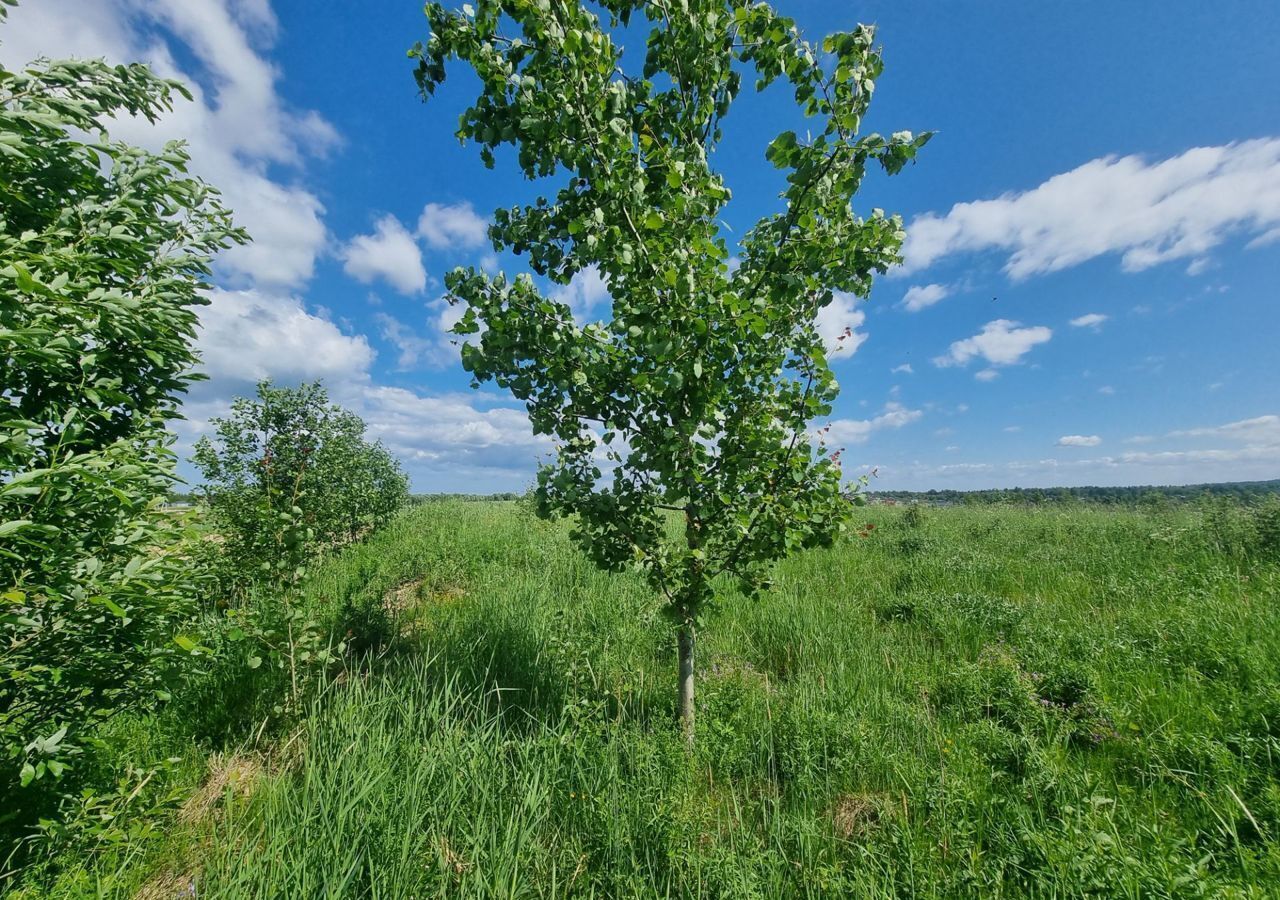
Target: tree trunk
{"type": "Point", "coordinates": [685, 641]}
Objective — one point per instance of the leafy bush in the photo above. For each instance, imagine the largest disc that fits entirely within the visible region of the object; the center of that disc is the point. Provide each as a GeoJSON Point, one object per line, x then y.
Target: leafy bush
{"type": "Point", "coordinates": [914, 517]}
{"type": "Point", "coordinates": [104, 249]}
{"type": "Point", "coordinates": [288, 474]}
{"type": "Point", "coordinates": [1243, 531]}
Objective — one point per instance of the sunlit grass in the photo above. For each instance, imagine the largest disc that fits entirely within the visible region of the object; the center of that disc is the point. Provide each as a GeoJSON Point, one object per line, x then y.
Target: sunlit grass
{"type": "Point", "coordinates": [1001, 702]}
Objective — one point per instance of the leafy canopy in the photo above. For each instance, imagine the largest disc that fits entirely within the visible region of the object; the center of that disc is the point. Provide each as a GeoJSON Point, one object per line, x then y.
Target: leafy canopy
{"type": "Point", "coordinates": [288, 473]}
{"type": "Point", "coordinates": [696, 395]}
{"type": "Point", "coordinates": [104, 250]}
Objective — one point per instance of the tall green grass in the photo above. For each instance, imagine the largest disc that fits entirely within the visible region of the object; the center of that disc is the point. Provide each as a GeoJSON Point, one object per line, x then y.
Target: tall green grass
{"type": "Point", "coordinates": [991, 702]}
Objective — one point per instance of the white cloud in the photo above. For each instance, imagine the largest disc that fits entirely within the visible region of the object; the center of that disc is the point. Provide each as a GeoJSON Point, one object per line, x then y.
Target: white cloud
{"type": "Point", "coordinates": [249, 335]}
{"type": "Point", "coordinates": [1150, 212]}
{"type": "Point", "coordinates": [1079, 440]}
{"type": "Point", "coordinates": [922, 296]}
{"type": "Point", "coordinates": [436, 348]}
{"type": "Point", "coordinates": [450, 442]}
{"type": "Point", "coordinates": [845, 432]}
{"type": "Point", "coordinates": [905, 369]}
{"type": "Point", "coordinates": [1000, 343]}
{"type": "Point", "coordinates": [1264, 239]}
{"type": "Point", "coordinates": [1012, 429]}
{"type": "Point", "coordinates": [238, 129]}
{"type": "Point", "coordinates": [838, 323]}
{"type": "Point", "coordinates": [1262, 430]}
{"type": "Point", "coordinates": [411, 346]}
{"type": "Point", "coordinates": [457, 225]}
{"type": "Point", "coordinates": [389, 253]}
{"type": "Point", "coordinates": [584, 292]}
{"type": "Point", "coordinates": [1089, 320]}
{"type": "Point", "coordinates": [986, 375]}
{"type": "Point", "coordinates": [1106, 390]}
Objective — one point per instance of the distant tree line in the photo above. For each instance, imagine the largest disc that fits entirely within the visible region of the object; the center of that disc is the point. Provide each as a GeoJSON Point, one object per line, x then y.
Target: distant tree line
{"type": "Point", "coordinates": [1134, 495]}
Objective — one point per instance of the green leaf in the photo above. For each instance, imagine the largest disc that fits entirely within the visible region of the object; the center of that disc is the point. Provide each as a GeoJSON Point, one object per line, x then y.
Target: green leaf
{"type": "Point", "coordinates": [13, 525]}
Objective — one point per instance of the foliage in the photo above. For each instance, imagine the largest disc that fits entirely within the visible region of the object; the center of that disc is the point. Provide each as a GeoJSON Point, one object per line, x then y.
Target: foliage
{"type": "Point", "coordinates": [104, 248]}
{"type": "Point", "coordinates": [699, 389]}
{"type": "Point", "coordinates": [290, 473]}
{"type": "Point", "coordinates": [1077, 709]}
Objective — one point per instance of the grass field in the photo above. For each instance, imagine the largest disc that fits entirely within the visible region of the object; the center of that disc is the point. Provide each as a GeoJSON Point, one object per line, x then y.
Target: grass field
{"type": "Point", "coordinates": [994, 702]}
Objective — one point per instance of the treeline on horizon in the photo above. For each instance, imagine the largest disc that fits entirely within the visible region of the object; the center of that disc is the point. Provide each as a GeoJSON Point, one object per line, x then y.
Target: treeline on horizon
{"type": "Point", "coordinates": [1123, 495]}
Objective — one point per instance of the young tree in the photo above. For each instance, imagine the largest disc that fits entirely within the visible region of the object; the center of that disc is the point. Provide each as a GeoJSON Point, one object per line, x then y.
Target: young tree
{"type": "Point", "coordinates": [290, 472]}
{"type": "Point", "coordinates": [104, 250]}
{"type": "Point", "coordinates": [700, 387]}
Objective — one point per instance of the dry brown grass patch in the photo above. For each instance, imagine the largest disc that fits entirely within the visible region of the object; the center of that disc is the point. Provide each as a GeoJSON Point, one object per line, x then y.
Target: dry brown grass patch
{"type": "Point", "coordinates": [168, 886]}
{"type": "Point", "coordinates": [856, 815]}
{"type": "Point", "coordinates": [232, 773]}
{"type": "Point", "coordinates": [452, 859]}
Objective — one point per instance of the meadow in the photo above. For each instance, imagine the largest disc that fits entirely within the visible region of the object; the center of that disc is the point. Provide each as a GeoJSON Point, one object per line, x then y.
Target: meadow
{"type": "Point", "coordinates": [993, 701]}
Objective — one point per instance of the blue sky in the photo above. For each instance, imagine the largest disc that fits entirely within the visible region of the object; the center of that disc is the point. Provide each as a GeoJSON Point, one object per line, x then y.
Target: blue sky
{"type": "Point", "coordinates": [1089, 295]}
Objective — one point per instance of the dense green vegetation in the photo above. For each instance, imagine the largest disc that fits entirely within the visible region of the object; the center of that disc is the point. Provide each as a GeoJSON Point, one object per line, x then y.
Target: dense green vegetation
{"type": "Point", "coordinates": [972, 702]}
{"type": "Point", "coordinates": [109, 601]}
{"type": "Point", "coordinates": [267, 694]}
{"type": "Point", "coordinates": [105, 249]}
{"type": "Point", "coordinates": [698, 391]}
{"type": "Point", "coordinates": [286, 474]}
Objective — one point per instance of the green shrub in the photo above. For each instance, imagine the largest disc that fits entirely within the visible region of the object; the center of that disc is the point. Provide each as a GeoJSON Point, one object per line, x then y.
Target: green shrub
{"type": "Point", "coordinates": [288, 474]}
{"type": "Point", "coordinates": [104, 249]}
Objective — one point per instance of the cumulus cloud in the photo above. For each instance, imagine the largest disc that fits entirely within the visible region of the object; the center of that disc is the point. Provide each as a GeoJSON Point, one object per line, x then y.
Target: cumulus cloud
{"type": "Point", "coordinates": [457, 225]}
{"type": "Point", "coordinates": [846, 432]}
{"type": "Point", "coordinates": [390, 253]}
{"type": "Point", "coordinates": [1089, 320]}
{"type": "Point", "coordinates": [1149, 212]}
{"type": "Point", "coordinates": [922, 296]}
{"type": "Point", "coordinates": [450, 428]}
{"type": "Point", "coordinates": [905, 369]}
{"type": "Point", "coordinates": [584, 292]}
{"type": "Point", "coordinates": [249, 335]}
{"type": "Point", "coordinates": [1001, 343]}
{"type": "Point", "coordinates": [986, 375]}
{"type": "Point", "coordinates": [838, 323]}
{"type": "Point", "coordinates": [1079, 440]}
{"type": "Point", "coordinates": [240, 131]}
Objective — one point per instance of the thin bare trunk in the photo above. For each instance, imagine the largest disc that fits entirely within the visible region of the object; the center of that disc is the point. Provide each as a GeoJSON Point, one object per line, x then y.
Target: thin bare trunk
{"type": "Point", "coordinates": [685, 640]}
